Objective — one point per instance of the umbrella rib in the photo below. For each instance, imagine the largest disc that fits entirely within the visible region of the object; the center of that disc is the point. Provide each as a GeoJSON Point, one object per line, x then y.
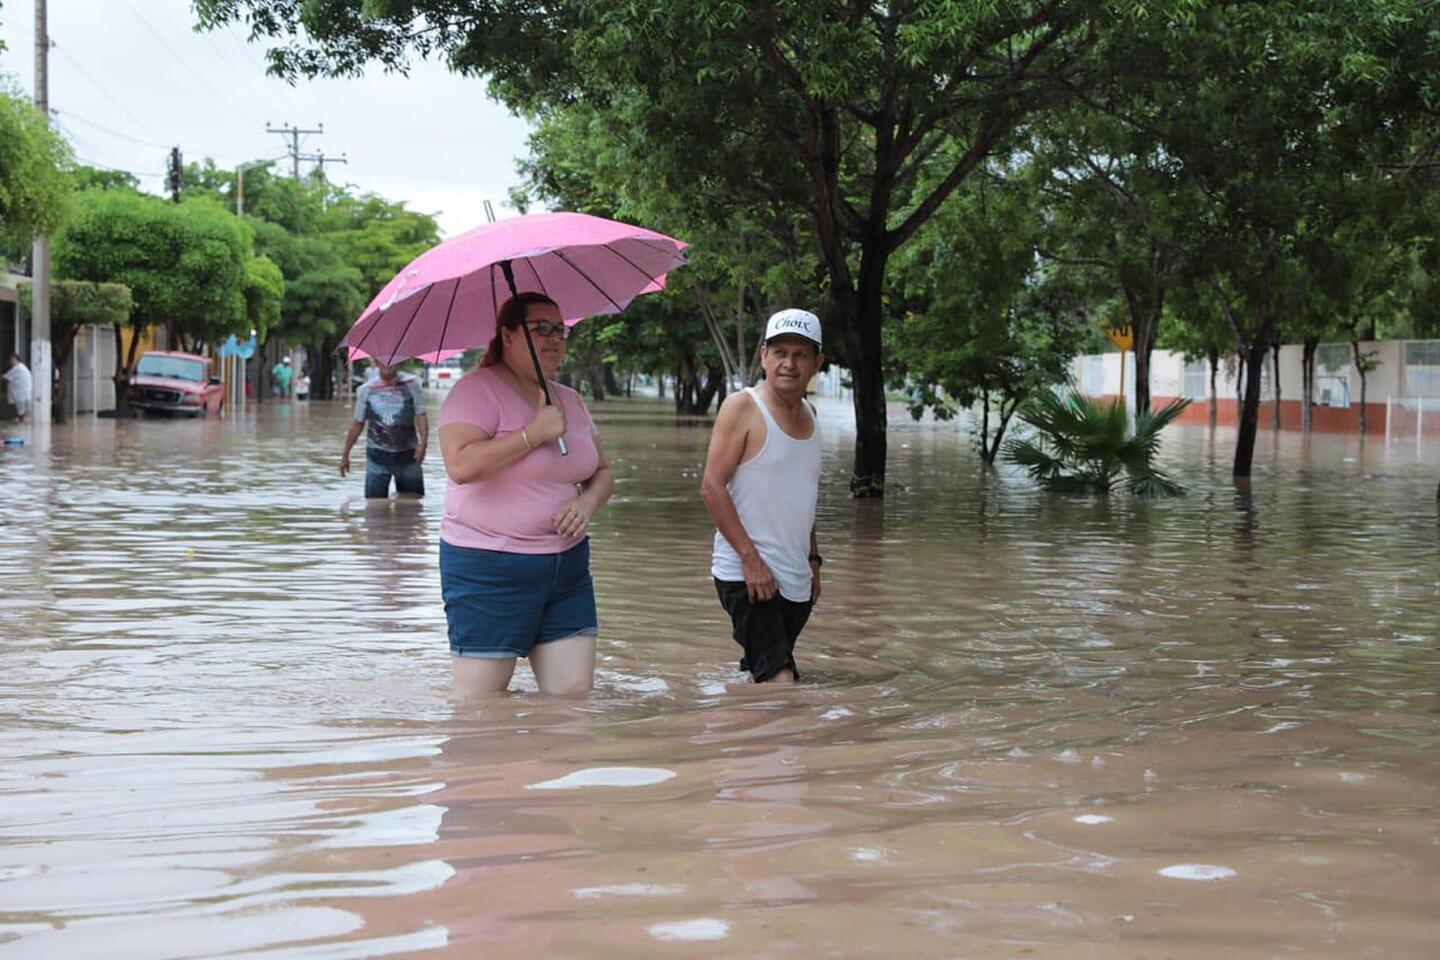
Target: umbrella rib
{"type": "Point", "coordinates": [494, 297]}
{"type": "Point", "coordinates": [644, 273]}
{"type": "Point", "coordinates": [560, 254]}
{"type": "Point", "coordinates": [454, 291]}
{"type": "Point", "coordinates": [531, 264]}
{"type": "Point", "coordinates": [673, 250]}
{"type": "Point", "coordinates": [408, 324]}
{"type": "Point", "coordinates": [375, 322]}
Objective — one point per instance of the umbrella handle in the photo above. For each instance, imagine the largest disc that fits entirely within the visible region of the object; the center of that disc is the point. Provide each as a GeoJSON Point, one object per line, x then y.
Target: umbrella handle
{"type": "Point", "coordinates": [534, 357]}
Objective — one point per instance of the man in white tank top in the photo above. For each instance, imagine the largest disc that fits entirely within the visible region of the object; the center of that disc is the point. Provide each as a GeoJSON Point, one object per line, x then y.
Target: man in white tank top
{"type": "Point", "coordinates": [762, 475]}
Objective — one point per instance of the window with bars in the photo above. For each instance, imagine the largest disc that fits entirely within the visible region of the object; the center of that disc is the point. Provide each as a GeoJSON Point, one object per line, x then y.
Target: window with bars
{"type": "Point", "coordinates": [1420, 375]}
{"type": "Point", "coordinates": [1092, 375]}
{"type": "Point", "coordinates": [1332, 374]}
{"type": "Point", "coordinates": [1197, 377]}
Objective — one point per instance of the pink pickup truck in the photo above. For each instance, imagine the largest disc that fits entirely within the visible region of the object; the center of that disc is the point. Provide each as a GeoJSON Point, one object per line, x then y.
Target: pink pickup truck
{"type": "Point", "coordinates": [169, 382]}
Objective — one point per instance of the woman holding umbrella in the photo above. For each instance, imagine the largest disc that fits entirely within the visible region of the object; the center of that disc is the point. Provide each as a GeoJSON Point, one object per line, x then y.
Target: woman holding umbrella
{"type": "Point", "coordinates": [514, 557]}
{"type": "Point", "coordinates": [526, 469]}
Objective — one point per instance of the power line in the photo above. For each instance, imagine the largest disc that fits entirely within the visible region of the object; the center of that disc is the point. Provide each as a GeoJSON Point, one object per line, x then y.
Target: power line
{"type": "Point", "coordinates": [105, 166]}
{"type": "Point", "coordinates": [25, 30]}
{"type": "Point", "coordinates": [244, 46]}
{"type": "Point", "coordinates": [240, 69]}
{"type": "Point", "coordinates": [114, 133]}
{"type": "Point", "coordinates": [184, 63]}
{"type": "Point", "coordinates": [103, 92]}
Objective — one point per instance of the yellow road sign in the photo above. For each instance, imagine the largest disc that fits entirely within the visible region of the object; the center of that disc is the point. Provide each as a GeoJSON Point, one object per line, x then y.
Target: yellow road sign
{"type": "Point", "coordinates": [1121, 336]}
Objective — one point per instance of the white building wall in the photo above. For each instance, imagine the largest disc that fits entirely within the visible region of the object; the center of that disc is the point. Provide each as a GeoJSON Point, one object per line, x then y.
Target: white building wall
{"type": "Point", "coordinates": [1167, 374]}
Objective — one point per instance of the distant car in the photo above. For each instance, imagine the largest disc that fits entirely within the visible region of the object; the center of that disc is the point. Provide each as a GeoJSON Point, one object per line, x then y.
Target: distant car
{"type": "Point", "coordinates": [170, 382]}
{"type": "Point", "coordinates": [443, 374]}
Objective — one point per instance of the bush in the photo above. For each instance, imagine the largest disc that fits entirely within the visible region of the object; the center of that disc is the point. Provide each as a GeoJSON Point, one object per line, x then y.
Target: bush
{"type": "Point", "coordinates": [1086, 445]}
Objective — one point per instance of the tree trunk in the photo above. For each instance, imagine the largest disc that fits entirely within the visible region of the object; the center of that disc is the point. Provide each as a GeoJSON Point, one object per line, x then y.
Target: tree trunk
{"type": "Point", "coordinates": [123, 369]}
{"type": "Point", "coordinates": [706, 394]}
{"type": "Point", "coordinates": [1250, 407]}
{"type": "Point", "coordinates": [1214, 377]}
{"type": "Point", "coordinates": [1307, 366]}
{"type": "Point", "coordinates": [612, 386]}
{"type": "Point", "coordinates": [265, 357]}
{"type": "Point", "coordinates": [323, 371]}
{"type": "Point", "coordinates": [861, 314]}
{"type": "Point", "coordinates": [1005, 416]}
{"type": "Point", "coordinates": [985, 427]}
{"type": "Point", "coordinates": [1144, 327]}
{"type": "Point", "coordinates": [1141, 388]}
{"type": "Point", "coordinates": [1360, 369]}
{"type": "Point", "coordinates": [682, 389]}
{"type": "Point", "coordinates": [1275, 381]}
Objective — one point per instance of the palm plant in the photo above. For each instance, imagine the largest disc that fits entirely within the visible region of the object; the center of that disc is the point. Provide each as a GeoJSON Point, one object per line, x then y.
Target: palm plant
{"type": "Point", "coordinates": [1085, 445]}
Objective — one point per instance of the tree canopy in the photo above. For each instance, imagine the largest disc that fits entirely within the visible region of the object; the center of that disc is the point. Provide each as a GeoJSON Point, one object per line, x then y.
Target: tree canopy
{"type": "Point", "coordinates": [184, 263]}
{"type": "Point", "coordinates": [34, 160]}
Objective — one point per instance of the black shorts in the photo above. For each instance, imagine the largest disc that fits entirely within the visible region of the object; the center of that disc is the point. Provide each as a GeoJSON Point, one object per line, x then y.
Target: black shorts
{"type": "Point", "coordinates": [766, 631]}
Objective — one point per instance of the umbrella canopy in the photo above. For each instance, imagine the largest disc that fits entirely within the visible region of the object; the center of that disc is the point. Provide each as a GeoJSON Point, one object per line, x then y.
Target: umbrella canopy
{"type": "Point", "coordinates": [446, 300]}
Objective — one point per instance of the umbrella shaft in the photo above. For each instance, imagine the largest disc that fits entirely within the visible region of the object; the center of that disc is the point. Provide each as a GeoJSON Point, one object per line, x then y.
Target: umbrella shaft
{"type": "Point", "coordinates": [535, 359]}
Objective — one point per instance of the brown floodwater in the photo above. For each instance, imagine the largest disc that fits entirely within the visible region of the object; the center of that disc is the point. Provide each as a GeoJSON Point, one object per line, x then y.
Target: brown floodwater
{"type": "Point", "coordinates": [1030, 726]}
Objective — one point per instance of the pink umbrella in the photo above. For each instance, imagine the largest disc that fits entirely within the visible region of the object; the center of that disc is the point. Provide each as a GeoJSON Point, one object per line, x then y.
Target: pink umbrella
{"type": "Point", "coordinates": [446, 300]}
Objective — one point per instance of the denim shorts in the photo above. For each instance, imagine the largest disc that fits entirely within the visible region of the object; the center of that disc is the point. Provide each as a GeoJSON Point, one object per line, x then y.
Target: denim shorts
{"type": "Point", "coordinates": [380, 465]}
{"type": "Point", "coordinates": [502, 604]}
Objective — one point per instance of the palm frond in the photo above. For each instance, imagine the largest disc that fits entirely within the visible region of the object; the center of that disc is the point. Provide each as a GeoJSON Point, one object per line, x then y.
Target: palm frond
{"type": "Point", "coordinates": [1087, 445]}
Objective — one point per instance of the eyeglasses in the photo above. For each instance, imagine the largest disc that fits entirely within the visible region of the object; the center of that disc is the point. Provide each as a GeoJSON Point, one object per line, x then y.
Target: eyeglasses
{"type": "Point", "coordinates": [544, 328]}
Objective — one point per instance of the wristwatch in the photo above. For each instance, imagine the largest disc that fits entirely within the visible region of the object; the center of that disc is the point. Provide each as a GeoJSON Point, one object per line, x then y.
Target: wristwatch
{"type": "Point", "coordinates": [816, 559]}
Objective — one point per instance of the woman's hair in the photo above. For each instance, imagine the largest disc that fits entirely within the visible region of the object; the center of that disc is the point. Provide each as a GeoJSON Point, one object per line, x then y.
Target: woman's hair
{"type": "Point", "coordinates": [511, 316]}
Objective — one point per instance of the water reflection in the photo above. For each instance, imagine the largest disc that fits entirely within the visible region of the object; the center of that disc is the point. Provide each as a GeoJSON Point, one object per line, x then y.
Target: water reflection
{"type": "Point", "coordinates": [227, 723]}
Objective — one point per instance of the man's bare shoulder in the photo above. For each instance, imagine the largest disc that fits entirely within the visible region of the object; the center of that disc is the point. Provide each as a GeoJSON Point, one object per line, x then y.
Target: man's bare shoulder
{"type": "Point", "coordinates": [736, 409]}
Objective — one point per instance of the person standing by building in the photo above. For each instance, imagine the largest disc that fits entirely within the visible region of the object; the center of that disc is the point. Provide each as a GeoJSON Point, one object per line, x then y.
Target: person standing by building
{"type": "Point", "coordinates": [394, 408]}
{"type": "Point", "coordinates": [19, 387]}
{"type": "Point", "coordinates": [282, 372]}
{"type": "Point", "coordinates": [761, 481]}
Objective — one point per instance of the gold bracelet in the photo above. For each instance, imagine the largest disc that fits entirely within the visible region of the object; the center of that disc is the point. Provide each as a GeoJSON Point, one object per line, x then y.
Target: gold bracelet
{"type": "Point", "coordinates": [524, 435]}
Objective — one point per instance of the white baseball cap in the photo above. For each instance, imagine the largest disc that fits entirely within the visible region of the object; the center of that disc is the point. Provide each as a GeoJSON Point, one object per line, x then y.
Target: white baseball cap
{"type": "Point", "coordinates": [793, 322]}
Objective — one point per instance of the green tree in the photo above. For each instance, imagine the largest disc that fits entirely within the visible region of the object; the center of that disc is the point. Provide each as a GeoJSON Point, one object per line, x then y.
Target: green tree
{"type": "Point", "coordinates": [852, 100]}
{"type": "Point", "coordinates": [1268, 110]}
{"type": "Point", "coordinates": [185, 264]}
{"type": "Point", "coordinates": [987, 323]}
{"type": "Point", "coordinates": [34, 183]}
{"type": "Point", "coordinates": [705, 330]}
{"type": "Point", "coordinates": [94, 178]}
{"type": "Point", "coordinates": [264, 295]}
{"type": "Point", "coordinates": [1116, 211]}
{"type": "Point", "coordinates": [322, 295]}
{"type": "Point", "coordinates": [376, 236]}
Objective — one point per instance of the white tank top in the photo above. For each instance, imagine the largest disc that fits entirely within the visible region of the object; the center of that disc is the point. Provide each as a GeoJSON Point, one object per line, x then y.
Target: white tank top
{"type": "Point", "coordinates": [774, 493]}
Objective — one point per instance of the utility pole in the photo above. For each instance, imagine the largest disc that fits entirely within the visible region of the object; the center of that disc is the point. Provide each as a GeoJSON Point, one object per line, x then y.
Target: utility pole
{"type": "Point", "coordinates": [175, 174]}
{"type": "Point", "coordinates": [319, 159]}
{"type": "Point", "coordinates": [40, 354]}
{"type": "Point", "coordinates": [240, 183]}
{"type": "Point", "coordinates": [292, 147]}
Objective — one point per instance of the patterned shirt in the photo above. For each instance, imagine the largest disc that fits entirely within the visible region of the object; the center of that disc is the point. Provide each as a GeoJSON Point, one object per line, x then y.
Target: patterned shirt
{"type": "Point", "coordinates": [390, 410]}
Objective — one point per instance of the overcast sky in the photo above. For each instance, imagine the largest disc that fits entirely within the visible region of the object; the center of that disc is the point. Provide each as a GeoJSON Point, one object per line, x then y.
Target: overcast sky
{"type": "Point", "coordinates": [131, 78]}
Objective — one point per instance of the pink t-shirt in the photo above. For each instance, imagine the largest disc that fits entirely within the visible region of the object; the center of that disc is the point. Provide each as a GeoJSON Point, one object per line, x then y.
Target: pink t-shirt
{"type": "Point", "coordinates": [512, 510]}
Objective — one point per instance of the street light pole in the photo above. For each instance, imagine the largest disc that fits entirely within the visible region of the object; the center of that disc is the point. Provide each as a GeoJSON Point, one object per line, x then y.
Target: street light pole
{"type": "Point", "coordinates": [40, 355]}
